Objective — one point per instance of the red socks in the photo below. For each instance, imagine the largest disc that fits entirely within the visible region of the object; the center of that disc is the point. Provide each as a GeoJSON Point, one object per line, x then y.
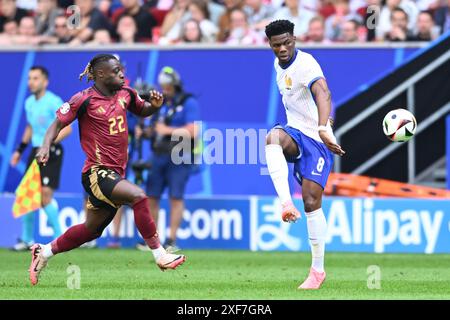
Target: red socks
{"type": "Point", "coordinates": [72, 238]}
{"type": "Point", "coordinates": [145, 223]}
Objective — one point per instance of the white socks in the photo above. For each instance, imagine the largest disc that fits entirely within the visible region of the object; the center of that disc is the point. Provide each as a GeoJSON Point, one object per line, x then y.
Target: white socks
{"type": "Point", "coordinates": [279, 172]}
{"type": "Point", "coordinates": [317, 231]}
{"type": "Point", "coordinates": [47, 250]}
{"type": "Point", "coordinates": [158, 253]}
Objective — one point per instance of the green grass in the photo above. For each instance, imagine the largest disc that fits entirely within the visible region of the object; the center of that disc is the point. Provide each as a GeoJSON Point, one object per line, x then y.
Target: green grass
{"type": "Point", "coordinates": [130, 274]}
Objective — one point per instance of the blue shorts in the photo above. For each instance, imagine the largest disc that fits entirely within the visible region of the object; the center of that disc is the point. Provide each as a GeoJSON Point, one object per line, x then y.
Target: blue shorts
{"type": "Point", "coordinates": [164, 173]}
{"type": "Point", "coordinates": [314, 162]}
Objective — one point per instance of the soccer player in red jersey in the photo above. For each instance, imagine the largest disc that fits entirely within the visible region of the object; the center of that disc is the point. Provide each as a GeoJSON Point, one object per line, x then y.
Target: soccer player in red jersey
{"type": "Point", "coordinates": [101, 113]}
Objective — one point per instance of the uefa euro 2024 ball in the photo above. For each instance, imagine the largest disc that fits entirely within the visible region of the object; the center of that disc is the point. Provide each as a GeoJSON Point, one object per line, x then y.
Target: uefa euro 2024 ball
{"type": "Point", "coordinates": [399, 125]}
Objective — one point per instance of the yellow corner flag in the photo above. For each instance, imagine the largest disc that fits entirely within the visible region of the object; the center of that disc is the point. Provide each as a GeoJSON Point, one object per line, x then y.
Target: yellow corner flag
{"type": "Point", "coordinates": [28, 193]}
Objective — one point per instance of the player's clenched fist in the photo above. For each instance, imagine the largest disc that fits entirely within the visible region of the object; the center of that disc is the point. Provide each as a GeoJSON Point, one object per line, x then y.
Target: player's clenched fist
{"type": "Point", "coordinates": [42, 155]}
{"type": "Point", "coordinates": [156, 98]}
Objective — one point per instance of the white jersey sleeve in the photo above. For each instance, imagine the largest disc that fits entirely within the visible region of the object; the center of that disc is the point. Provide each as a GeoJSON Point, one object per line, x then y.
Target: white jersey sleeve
{"type": "Point", "coordinates": [308, 71]}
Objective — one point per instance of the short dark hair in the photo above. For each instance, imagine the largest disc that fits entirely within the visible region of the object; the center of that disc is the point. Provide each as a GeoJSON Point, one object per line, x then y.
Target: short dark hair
{"type": "Point", "coordinates": [355, 23]}
{"type": "Point", "coordinates": [99, 58]}
{"type": "Point", "coordinates": [278, 27]}
{"type": "Point", "coordinates": [398, 9]}
{"type": "Point", "coordinates": [42, 69]}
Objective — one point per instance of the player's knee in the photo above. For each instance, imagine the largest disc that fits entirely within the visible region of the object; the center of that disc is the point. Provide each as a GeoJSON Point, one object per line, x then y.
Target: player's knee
{"type": "Point", "coordinates": [46, 199]}
{"type": "Point", "coordinates": [138, 196]}
{"type": "Point", "coordinates": [95, 231]}
{"type": "Point", "coordinates": [45, 202]}
{"type": "Point", "coordinates": [311, 203]}
{"type": "Point", "coordinates": [274, 137]}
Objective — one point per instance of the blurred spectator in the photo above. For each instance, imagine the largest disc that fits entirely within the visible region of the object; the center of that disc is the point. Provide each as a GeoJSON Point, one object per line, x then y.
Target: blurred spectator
{"type": "Point", "coordinates": [26, 34]}
{"type": "Point", "coordinates": [65, 3]}
{"type": "Point", "coordinates": [399, 26]}
{"type": "Point", "coordinates": [100, 37]}
{"type": "Point", "coordinates": [384, 24]}
{"type": "Point", "coordinates": [259, 14]}
{"type": "Point", "coordinates": [46, 13]}
{"type": "Point", "coordinates": [316, 31]}
{"type": "Point", "coordinates": [295, 13]}
{"type": "Point", "coordinates": [425, 29]}
{"type": "Point", "coordinates": [11, 28]}
{"type": "Point", "coordinates": [145, 22]}
{"type": "Point", "coordinates": [91, 20]}
{"type": "Point", "coordinates": [61, 33]}
{"type": "Point", "coordinates": [350, 31]}
{"type": "Point", "coordinates": [215, 11]}
{"type": "Point", "coordinates": [126, 29]}
{"type": "Point", "coordinates": [104, 6]}
{"type": "Point", "coordinates": [354, 5]}
{"type": "Point", "coordinates": [191, 32]}
{"type": "Point", "coordinates": [240, 32]}
{"type": "Point", "coordinates": [9, 11]}
{"type": "Point", "coordinates": [199, 12]}
{"type": "Point", "coordinates": [159, 4]}
{"type": "Point", "coordinates": [370, 14]}
{"type": "Point", "coordinates": [171, 27]}
{"type": "Point", "coordinates": [442, 17]}
{"type": "Point", "coordinates": [333, 23]}
{"type": "Point", "coordinates": [225, 21]}
{"type": "Point", "coordinates": [30, 5]}
{"type": "Point", "coordinates": [424, 5]}
{"type": "Point", "coordinates": [325, 8]}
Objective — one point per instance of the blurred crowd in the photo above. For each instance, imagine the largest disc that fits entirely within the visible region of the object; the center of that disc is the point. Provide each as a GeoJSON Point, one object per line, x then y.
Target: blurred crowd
{"type": "Point", "coordinates": [234, 22]}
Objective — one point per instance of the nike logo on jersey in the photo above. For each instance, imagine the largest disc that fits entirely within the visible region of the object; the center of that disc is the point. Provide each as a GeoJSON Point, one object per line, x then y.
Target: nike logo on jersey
{"type": "Point", "coordinates": [315, 173]}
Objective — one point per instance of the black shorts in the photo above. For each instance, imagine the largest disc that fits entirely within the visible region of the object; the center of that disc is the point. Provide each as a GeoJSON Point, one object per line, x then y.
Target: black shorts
{"type": "Point", "coordinates": [51, 172]}
{"type": "Point", "coordinates": [99, 183]}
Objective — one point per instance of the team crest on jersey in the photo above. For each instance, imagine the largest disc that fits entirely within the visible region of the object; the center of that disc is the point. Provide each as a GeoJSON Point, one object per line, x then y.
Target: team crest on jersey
{"type": "Point", "coordinates": [288, 82]}
{"type": "Point", "coordinates": [64, 108]}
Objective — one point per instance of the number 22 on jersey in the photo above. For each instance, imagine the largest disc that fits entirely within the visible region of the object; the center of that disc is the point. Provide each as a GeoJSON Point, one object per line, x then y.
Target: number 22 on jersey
{"type": "Point", "coordinates": [116, 125]}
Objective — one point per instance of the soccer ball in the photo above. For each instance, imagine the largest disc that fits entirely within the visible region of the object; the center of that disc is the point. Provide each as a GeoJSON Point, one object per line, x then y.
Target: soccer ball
{"type": "Point", "coordinates": [399, 125]}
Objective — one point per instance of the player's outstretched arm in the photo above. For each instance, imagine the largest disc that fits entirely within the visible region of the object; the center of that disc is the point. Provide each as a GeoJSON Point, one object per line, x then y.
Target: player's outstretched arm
{"type": "Point", "coordinates": [44, 151]}
{"type": "Point", "coordinates": [322, 97]}
{"type": "Point", "coordinates": [156, 101]}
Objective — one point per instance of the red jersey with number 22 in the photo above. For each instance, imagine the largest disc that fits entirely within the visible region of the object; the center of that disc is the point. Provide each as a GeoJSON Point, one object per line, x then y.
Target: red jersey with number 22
{"type": "Point", "coordinates": [102, 121]}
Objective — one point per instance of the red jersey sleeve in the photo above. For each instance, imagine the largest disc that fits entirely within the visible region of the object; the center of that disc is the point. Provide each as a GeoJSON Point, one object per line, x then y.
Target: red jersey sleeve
{"type": "Point", "coordinates": [68, 112]}
{"type": "Point", "coordinates": [136, 103]}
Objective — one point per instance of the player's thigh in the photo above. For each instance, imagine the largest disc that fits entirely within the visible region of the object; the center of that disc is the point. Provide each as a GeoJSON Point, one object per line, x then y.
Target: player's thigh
{"type": "Point", "coordinates": [99, 184]}
{"type": "Point", "coordinates": [281, 137]}
{"type": "Point", "coordinates": [126, 192]}
{"type": "Point", "coordinates": [97, 219]}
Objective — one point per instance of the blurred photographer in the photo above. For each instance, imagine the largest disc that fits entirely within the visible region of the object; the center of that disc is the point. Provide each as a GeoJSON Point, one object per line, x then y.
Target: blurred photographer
{"type": "Point", "coordinates": [175, 121]}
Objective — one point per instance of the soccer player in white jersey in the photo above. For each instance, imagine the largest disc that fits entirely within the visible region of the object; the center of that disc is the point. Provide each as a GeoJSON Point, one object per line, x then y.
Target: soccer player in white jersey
{"type": "Point", "coordinates": [307, 139]}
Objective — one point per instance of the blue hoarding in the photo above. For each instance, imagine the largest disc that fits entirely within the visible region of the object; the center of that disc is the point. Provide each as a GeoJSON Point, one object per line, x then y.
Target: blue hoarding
{"type": "Point", "coordinates": [254, 223]}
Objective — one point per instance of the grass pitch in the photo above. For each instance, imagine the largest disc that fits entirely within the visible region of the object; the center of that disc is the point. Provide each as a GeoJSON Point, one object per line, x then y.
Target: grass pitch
{"type": "Point", "coordinates": [130, 274]}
